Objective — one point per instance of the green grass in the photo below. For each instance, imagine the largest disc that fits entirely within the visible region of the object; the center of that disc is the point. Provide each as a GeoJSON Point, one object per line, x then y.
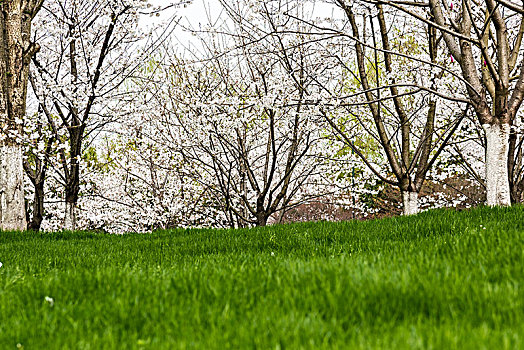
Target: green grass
{"type": "Point", "coordinates": [434, 281]}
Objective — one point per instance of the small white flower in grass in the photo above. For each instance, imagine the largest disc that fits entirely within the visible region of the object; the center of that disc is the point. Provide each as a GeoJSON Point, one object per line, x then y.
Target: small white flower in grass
{"type": "Point", "coordinates": [1, 264]}
{"type": "Point", "coordinates": [272, 254]}
{"type": "Point", "coordinates": [50, 301]}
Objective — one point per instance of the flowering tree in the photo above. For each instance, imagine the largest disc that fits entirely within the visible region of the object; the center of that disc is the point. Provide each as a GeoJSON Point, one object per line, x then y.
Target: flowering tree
{"type": "Point", "coordinates": [403, 105]}
{"type": "Point", "coordinates": [88, 51]}
{"type": "Point", "coordinates": [389, 93]}
{"type": "Point", "coordinates": [232, 123]}
{"type": "Point", "coordinates": [276, 108]}
{"type": "Point", "coordinates": [485, 41]}
{"type": "Point", "coordinates": [41, 141]}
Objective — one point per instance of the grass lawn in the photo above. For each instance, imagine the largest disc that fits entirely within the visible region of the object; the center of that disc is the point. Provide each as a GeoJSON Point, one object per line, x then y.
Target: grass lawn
{"type": "Point", "coordinates": [439, 280]}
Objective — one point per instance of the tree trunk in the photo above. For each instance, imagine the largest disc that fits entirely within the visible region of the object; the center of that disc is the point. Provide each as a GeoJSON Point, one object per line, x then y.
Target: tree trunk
{"type": "Point", "coordinates": [497, 181]}
{"type": "Point", "coordinates": [16, 51]}
{"type": "Point", "coordinates": [409, 203]}
{"type": "Point", "coordinates": [12, 204]}
{"type": "Point", "coordinates": [515, 168]}
{"type": "Point", "coordinates": [70, 216]}
{"type": "Point", "coordinates": [72, 187]}
{"type": "Point", "coordinates": [38, 207]}
{"type": "Point", "coordinates": [261, 219]}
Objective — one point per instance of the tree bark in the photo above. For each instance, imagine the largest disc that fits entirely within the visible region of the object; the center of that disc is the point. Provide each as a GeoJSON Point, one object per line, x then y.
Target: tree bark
{"type": "Point", "coordinates": [409, 203]}
{"type": "Point", "coordinates": [12, 204]}
{"type": "Point", "coordinates": [497, 180]}
{"type": "Point", "coordinates": [16, 51]}
{"type": "Point", "coordinates": [72, 187]}
{"type": "Point", "coordinates": [38, 207]}
{"type": "Point", "coordinates": [261, 219]}
{"type": "Point", "coordinates": [497, 113]}
{"type": "Point", "coordinates": [70, 216]}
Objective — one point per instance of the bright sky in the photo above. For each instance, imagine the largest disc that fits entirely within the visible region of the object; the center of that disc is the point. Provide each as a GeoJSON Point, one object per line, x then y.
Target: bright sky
{"type": "Point", "coordinates": [201, 12]}
{"type": "Point", "coordinates": [198, 12]}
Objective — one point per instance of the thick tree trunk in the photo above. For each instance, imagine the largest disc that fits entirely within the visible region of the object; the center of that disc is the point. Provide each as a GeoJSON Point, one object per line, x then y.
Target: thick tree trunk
{"type": "Point", "coordinates": [497, 181]}
{"type": "Point", "coordinates": [12, 203]}
{"type": "Point", "coordinates": [16, 51]}
{"type": "Point", "coordinates": [409, 203]}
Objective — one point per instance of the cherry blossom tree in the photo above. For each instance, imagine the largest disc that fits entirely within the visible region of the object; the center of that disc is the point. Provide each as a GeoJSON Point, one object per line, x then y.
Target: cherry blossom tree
{"type": "Point", "coordinates": [237, 119]}
{"type": "Point", "coordinates": [390, 93]}
{"type": "Point", "coordinates": [484, 39]}
{"type": "Point", "coordinates": [402, 104]}
{"type": "Point", "coordinates": [274, 108]}
{"type": "Point", "coordinates": [89, 49]}
{"type": "Point", "coordinates": [41, 142]}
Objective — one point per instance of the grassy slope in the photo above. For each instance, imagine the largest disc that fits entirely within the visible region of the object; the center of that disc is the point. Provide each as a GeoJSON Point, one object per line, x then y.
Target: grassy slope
{"type": "Point", "coordinates": [437, 280]}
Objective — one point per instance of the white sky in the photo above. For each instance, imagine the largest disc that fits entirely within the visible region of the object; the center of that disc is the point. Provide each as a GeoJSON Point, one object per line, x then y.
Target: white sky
{"type": "Point", "coordinates": [200, 12]}
{"type": "Point", "coordinates": [190, 16]}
